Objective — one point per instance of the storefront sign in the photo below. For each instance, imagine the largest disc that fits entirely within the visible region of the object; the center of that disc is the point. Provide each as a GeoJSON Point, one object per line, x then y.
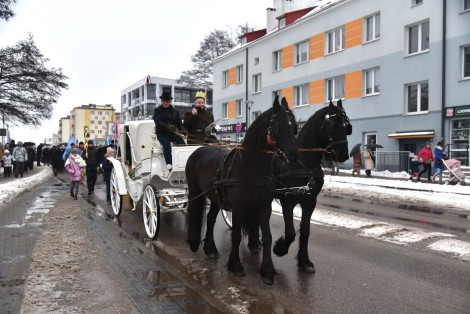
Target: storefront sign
{"type": "Point", "coordinates": [232, 128]}
{"type": "Point", "coordinates": [458, 111]}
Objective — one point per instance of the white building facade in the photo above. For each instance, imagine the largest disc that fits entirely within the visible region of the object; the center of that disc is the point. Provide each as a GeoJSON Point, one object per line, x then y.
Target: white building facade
{"type": "Point", "coordinates": [402, 69]}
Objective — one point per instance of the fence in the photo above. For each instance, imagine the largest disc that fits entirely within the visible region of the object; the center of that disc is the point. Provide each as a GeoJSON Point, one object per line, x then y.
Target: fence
{"type": "Point", "coordinates": [392, 161]}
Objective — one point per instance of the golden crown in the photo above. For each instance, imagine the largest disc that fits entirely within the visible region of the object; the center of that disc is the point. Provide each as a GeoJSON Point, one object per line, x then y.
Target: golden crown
{"type": "Point", "coordinates": [200, 94]}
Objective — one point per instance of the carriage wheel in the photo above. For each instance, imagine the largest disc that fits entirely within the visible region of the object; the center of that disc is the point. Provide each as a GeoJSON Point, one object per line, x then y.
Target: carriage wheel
{"type": "Point", "coordinates": [227, 214]}
{"type": "Point", "coordinates": [116, 198]}
{"type": "Point", "coordinates": [151, 212]}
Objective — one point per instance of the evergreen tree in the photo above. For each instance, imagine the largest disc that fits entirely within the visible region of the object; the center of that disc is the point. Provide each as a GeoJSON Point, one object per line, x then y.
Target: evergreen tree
{"type": "Point", "coordinates": [5, 12]}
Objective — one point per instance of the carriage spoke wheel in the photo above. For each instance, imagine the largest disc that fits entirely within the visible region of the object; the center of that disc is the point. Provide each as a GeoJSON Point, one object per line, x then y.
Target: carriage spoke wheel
{"type": "Point", "coordinates": [151, 212]}
{"type": "Point", "coordinates": [227, 214]}
{"type": "Point", "coordinates": [116, 198]}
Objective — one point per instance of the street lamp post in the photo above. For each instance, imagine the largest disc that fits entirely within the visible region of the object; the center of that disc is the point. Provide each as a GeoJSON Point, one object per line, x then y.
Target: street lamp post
{"type": "Point", "coordinates": [249, 104]}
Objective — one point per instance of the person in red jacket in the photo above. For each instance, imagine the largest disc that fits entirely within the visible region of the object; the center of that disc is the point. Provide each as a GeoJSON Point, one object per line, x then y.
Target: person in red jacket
{"type": "Point", "coordinates": [426, 157]}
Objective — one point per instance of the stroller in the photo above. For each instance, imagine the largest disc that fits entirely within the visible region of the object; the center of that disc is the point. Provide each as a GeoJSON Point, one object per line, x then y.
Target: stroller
{"type": "Point", "coordinates": [456, 175]}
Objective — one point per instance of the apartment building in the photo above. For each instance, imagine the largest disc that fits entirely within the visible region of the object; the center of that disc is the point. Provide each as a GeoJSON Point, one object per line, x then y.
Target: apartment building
{"type": "Point", "coordinates": [401, 68]}
{"type": "Point", "coordinates": [95, 120]}
{"type": "Point", "coordinates": [140, 99]}
{"type": "Point", "coordinates": [64, 129]}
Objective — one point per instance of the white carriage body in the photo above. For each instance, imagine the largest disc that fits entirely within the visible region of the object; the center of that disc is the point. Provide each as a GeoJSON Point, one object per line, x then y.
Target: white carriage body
{"type": "Point", "coordinates": [140, 159]}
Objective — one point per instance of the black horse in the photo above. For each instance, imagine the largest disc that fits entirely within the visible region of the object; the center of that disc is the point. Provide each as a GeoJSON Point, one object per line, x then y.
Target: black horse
{"type": "Point", "coordinates": [238, 180]}
{"type": "Point", "coordinates": [325, 132]}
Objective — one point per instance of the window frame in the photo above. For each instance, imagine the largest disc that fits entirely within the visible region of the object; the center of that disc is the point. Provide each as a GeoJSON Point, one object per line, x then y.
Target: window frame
{"type": "Point", "coordinates": [299, 51]}
{"type": "Point", "coordinates": [332, 38]}
{"type": "Point", "coordinates": [225, 78]}
{"type": "Point", "coordinates": [256, 83]}
{"type": "Point", "coordinates": [467, 47]}
{"type": "Point", "coordinates": [375, 76]}
{"type": "Point", "coordinates": [239, 73]}
{"type": "Point", "coordinates": [419, 98]}
{"type": "Point", "coordinates": [466, 5]}
{"type": "Point", "coordinates": [239, 107]}
{"type": "Point", "coordinates": [277, 60]}
{"type": "Point", "coordinates": [225, 110]}
{"type": "Point", "coordinates": [239, 137]}
{"type": "Point", "coordinates": [416, 2]}
{"type": "Point", "coordinates": [301, 94]}
{"type": "Point", "coordinates": [331, 83]}
{"type": "Point", "coordinates": [282, 23]}
{"type": "Point", "coordinates": [375, 26]}
{"type": "Point", "coordinates": [409, 37]}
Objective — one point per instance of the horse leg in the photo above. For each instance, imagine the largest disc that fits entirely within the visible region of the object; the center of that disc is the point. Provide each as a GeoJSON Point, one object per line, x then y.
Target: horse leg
{"type": "Point", "coordinates": [254, 243]}
{"type": "Point", "coordinates": [234, 265]}
{"type": "Point", "coordinates": [267, 267]}
{"type": "Point", "coordinates": [209, 244]}
{"type": "Point", "coordinates": [303, 260]}
{"type": "Point", "coordinates": [281, 246]}
{"type": "Point", "coordinates": [194, 218]}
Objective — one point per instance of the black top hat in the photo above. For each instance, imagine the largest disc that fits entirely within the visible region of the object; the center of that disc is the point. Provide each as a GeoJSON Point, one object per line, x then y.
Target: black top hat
{"type": "Point", "coordinates": [166, 96]}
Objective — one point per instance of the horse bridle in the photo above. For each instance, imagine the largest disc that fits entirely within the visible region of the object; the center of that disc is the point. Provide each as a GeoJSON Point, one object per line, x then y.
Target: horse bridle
{"type": "Point", "coordinates": [273, 126]}
{"type": "Point", "coordinates": [328, 123]}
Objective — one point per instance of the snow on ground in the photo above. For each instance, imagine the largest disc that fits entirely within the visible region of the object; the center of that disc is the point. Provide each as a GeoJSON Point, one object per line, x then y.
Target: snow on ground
{"type": "Point", "coordinates": [11, 189]}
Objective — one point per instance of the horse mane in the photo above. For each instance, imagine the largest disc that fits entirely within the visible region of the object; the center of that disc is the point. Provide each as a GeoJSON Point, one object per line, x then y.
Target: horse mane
{"type": "Point", "coordinates": [316, 118]}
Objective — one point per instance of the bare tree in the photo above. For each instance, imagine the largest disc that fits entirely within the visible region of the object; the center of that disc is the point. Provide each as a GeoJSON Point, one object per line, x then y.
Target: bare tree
{"type": "Point", "coordinates": [5, 12]}
{"type": "Point", "coordinates": [214, 45]}
{"type": "Point", "coordinates": [28, 88]}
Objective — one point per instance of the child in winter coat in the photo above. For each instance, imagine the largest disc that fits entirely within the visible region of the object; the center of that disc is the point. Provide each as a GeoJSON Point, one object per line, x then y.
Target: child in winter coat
{"type": "Point", "coordinates": [7, 162]}
{"type": "Point", "coordinates": [415, 163]}
{"type": "Point", "coordinates": [74, 166]}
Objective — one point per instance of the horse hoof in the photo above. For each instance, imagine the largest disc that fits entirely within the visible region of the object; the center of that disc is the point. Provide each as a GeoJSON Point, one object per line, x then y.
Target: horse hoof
{"type": "Point", "coordinates": [308, 269]}
{"type": "Point", "coordinates": [240, 273]}
{"type": "Point", "coordinates": [268, 281]}
{"type": "Point", "coordinates": [212, 255]}
{"type": "Point", "coordinates": [193, 245]}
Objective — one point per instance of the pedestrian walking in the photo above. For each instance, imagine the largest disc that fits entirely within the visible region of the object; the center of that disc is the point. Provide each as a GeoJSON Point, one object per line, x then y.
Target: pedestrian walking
{"type": "Point", "coordinates": [426, 157]}
{"type": "Point", "coordinates": [74, 166]}
{"type": "Point", "coordinates": [414, 167]}
{"type": "Point", "coordinates": [107, 167]}
{"type": "Point", "coordinates": [439, 157]}
{"type": "Point", "coordinates": [368, 160]}
{"type": "Point", "coordinates": [92, 164]}
{"type": "Point", "coordinates": [7, 163]}
{"type": "Point", "coordinates": [20, 158]}
{"type": "Point", "coordinates": [39, 154]}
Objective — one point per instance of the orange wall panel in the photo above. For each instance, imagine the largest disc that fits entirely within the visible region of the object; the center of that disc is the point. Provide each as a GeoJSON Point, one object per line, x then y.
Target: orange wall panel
{"type": "Point", "coordinates": [232, 75]}
{"type": "Point", "coordinates": [288, 92]}
{"type": "Point", "coordinates": [317, 44]}
{"type": "Point", "coordinates": [317, 92]}
{"type": "Point", "coordinates": [353, 33]}
{"type": "Point", "coordinates": [232, 110]}
{"type": "Point", "coordinates": [353, 84]}
{"type": "Point", "coordinates": [287, 57]}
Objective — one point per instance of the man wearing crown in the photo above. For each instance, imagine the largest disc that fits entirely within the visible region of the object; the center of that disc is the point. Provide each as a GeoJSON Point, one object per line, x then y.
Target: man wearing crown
{"type": "Point", "coordinates": [167, 121]}
{"type": "Point", "coordinates": [197, 120]}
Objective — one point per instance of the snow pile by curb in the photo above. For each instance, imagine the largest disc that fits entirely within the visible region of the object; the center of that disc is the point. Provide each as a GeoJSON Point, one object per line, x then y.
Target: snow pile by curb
{"type": "Point", "coordinates": [10, 190]}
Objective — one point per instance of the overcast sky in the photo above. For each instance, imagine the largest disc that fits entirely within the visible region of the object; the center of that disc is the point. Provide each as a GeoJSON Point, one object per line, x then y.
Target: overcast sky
{"type": "Point", "coordinates": [104, 46]}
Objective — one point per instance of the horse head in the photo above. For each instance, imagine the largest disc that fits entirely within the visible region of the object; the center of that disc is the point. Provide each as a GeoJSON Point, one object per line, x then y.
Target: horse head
{"type": "Point", "coordinates": [336, 128]}
{"type": "Point", "coordinates": [274, 130]}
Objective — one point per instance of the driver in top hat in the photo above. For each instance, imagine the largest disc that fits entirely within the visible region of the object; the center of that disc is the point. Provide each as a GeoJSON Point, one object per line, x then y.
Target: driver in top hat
{"type": "Point", "coordinates": [167, 121]}
{"type": "Point", "coordinates": [197, 120]}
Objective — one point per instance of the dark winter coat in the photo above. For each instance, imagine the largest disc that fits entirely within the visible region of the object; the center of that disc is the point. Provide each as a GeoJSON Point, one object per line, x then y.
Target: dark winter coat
{"type": "Point", "coordinates": [92, 160]}
{"type": "Point", "coordinates": [196, 125]}
{"type": "Point", "coordinates": [107, 169]}
{"type": "Point", "coordinates": [164, 117]}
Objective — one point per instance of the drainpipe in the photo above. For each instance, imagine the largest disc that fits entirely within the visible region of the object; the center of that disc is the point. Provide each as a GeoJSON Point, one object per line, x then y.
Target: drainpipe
{"type": "Point", "coordinates": [444, 25]}
{"type": "Point", "coordinates": [246, 90]}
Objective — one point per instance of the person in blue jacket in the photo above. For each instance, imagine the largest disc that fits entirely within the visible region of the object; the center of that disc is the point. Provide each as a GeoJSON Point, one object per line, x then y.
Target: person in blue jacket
{"type": "Point", "coordinates": [439, 157]}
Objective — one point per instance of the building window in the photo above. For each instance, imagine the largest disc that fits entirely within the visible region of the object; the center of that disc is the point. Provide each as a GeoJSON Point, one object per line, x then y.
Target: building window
{"type": "Point", "coordinates": [100, 122]}
{"type": "Point", "coordinates": [239, 73]}
{"type": "Point", "coordinates": [372, 81]}
{"type": "Point", "coordinates": [224, 78]}
{"type": "Point", "coordinates": [256, 60]}
{"type": "Point", "coordinates": [466, 5]}
{"type": "Point", "coordinates": [417, 97]}
{"type": "Point", "coordinates": [225, 110]}
{"type": "Point", "coordinates": [239, 137]}
{"type": "Point", "coordinates": [466, 62]}
{"type": "Point", "coordinates": [372, 27]}
{"type": "Point", "coordinates": [239, 105]}
{"type": "Point", "coordinates": [277, 93]}
{"type": "Point", "coordinates": [418, 38]}
{"type": "Point", "coordinates": [255, 115]}
{"type": "Point", "coordinates": [335, 40]}
{"type": "Point", "coordinates": [92, 122]}
{"type": "Point", "coordinates": [335, 88]}
{"type": "Point", "coordinates": [282, 23]}
{"type": "Point", "coordinates": [277, 60]}
{"type": "Point", "coordinates": [92, 132]}
{"type": "Point", "coordinates": [107, 113]}
{"type": "Point", "coordinates": [100, 132]}
{"type": "Point", "coordinates": [92, 113]}
{"type": "Point", "coordinates": [416, 2]}
{"type": "Point", "coordinates": [301, 95]}
{"type": "Point", "coordinates": [257, 83]}
{"type": "Point", "coordinates": [100, 113]}
{"type": "Point", "coordinates": [301, 52]}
